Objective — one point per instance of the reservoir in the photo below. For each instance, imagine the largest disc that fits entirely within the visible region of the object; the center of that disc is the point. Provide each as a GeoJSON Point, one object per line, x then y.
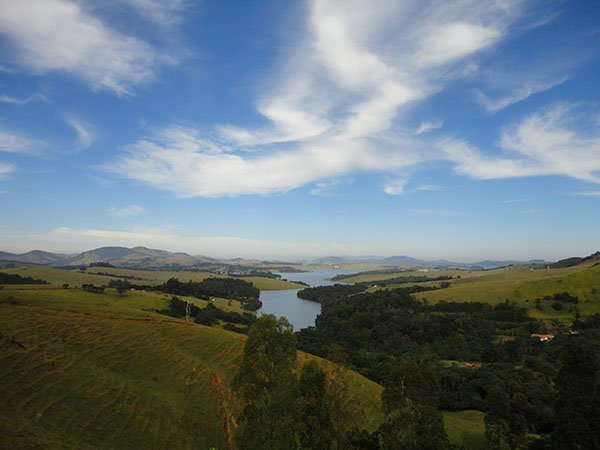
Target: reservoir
{"type": "Point", "coordinates": [300, 313]}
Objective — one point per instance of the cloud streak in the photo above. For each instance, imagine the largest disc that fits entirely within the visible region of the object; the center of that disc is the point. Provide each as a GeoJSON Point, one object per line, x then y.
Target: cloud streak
{"type": "Point", "coordinates": [23, 101]}
{"type": "Point", "coordinates": [126, 211]}
{"type": "Point", "coordinates": [14, 142]}
{"type": "Point", "coordinates": [6, 169]}
{"type": "Point", "coordinates": [517, 95]}
{"type": "Point", "coordinates": [84, 131]}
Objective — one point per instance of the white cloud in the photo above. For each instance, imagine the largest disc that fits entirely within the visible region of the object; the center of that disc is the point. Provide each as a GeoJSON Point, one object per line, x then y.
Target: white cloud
{"type": "Point", "coordinates": [396, 186]}
{"type": "Point", "coordinates": [189, 166]}
{"type": "Point", "coordinates": [327, 188]}
{"type": "Point", "coordinates": [85, 132]}
{"type": "Point", "coordinates": [14, 142]}
{"type": "Point", "coordinates": [126, 211]}
{"type": "Point", "coordinates": [550, 142]}
{"type": "Point", "coordinates": [6, 169]}
{"type": "Point", "coordinates": [23, 101]}
{"type": "Point", "coordinates": [517, 95]}
{"type": "Point", "coordinates": [588, 194]}
{"type": "Point", "coordinates": [428, 187]}
{"type": "Point", "coordinates": [333, 108]}
{"type": "Point", "coordinates": [61, 36]}
{"type": "Point", "coordinates": [513, 200]}
{"type": "Point", "coordinates": [426, 127]}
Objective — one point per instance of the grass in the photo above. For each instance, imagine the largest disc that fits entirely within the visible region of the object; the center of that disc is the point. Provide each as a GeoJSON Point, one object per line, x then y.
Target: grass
{"type": "Point", "coordinates": [466, 428]}
{"type": "Point", "coordinates": [83, 370]}
{"type": "Point", "coordinates": [149, 277]}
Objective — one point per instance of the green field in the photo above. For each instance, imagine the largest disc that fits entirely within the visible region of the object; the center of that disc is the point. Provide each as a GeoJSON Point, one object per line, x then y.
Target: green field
{"type": "Point", "coordinates": [84, 370]}
{"type": "Point", "coordinates": [149, 277]}
{"type": "Point", "coordinates": [466, 428]}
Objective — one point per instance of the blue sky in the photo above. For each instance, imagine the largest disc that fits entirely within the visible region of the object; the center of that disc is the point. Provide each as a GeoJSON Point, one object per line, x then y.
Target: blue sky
{"type": "Point", "coordinates": [459, 130]}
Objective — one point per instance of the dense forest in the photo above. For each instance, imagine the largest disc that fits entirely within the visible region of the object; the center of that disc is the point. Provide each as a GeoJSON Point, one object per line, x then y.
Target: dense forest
{"type": "Point", "coordinates": [483, 357]}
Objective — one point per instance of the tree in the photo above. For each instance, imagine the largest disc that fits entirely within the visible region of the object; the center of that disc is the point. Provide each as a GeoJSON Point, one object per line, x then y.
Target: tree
{"type": "Point", "coordinates": [578, 403]}
{"type": "Point", "coordinates": [267, 383]}
{"type": "Point", "coordinates": [316, 428]}
{"type": "Point", "coordinates": [505, 423]}
{"type": "Point", "coordinates": [412, 420]}
{"type": "Point", "coordinates": [497, 429]}
{"type": "Point", "coordinates": [338, 398]}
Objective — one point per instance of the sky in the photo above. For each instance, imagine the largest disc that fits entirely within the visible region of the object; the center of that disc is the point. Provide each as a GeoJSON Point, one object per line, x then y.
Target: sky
{"type": "Point", "coordinates": [462, 130]}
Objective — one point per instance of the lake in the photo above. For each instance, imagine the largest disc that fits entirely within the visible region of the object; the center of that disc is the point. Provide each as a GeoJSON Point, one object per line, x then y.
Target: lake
{"type": "Point", "coordinates": [300, 313]}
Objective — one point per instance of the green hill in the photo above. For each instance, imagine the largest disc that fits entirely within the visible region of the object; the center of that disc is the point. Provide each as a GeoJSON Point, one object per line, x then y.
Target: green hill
{"type": "Point", "coordinates": [82, 370]}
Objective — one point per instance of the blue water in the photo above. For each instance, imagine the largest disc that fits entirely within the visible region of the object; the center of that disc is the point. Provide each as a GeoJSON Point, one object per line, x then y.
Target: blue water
{"type": "Point", "coordinates": [300, 313]}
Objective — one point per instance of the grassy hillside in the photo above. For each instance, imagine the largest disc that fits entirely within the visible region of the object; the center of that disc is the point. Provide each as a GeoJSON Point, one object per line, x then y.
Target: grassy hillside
{"type": "Point", "coordinates": [81, 370]}
{"type": "Point", "coordinates": [517, 283]}
{"type": "Point", "coordinates": [150, 277]}
{"type": "Point", "coordinates": [466, 428]}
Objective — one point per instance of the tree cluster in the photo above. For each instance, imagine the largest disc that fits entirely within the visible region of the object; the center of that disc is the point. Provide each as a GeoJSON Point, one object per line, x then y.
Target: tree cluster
{"type": "Point", "coordinates": [13, 278]}
{"type": "Point", "coordinates": [210, 315]}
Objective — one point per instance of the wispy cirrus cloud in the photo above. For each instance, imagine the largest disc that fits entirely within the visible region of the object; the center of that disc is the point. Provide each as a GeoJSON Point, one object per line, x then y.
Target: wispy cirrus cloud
{"type": "Point", "coordinates": [62, 36]}
{"type": "Point", "coordinates": [165, 13]}
{"type": "Point", "coordinates": [558, 140]}
{"type": "Point", "coordinates": [332, 110]}
{"type": "Point", "coordinates": [517, 94]}
{"type": "Point", "coordinates": [126, 211]}
{"type": "Point", "coordinates": [426, 127]}
{"type": "Point", "coordinates": [6, 169]}
{"type": "Point", "coordinates": [85, 132]}
{"type": "Point", "coordinates": [588, 194]}
{"type": "Point", "coordinates": [16, 142]}
{"type": "Point", "coordinates": [23, 100]}
{"type": "Point", "coordinates": [327, 188]}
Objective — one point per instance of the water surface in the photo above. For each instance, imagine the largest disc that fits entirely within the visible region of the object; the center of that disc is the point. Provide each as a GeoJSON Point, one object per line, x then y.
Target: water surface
{"type": "Point", "coordinates": [300, 313]}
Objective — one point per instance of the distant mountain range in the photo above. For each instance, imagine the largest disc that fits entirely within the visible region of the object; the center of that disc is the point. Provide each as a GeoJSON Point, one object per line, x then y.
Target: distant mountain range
{"type": "Point", "coordinates": [404, 260]}
{"type": "Point", "coordinates": [117, 256]}
{"type": "Point", "coordinates": [144, 257]}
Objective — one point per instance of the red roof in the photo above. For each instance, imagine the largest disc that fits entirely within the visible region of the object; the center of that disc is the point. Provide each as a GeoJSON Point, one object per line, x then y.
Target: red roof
{"type": "Point", "coordinates": [542, 337]}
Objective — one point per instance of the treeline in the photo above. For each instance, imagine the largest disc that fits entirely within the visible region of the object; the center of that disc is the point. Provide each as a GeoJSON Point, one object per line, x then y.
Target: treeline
{"type": "Point", "coordinates": [369, 272]}
{"type": "Point", "coordinates": [210, 315]}
{"type": "Point", "coordinates": [321, 293]}
{"type": "Point", "coordinates": [483, 358]}
{"type": "Point", "coordinates": [256, 273]}
{"type": "Point", "coordinates": [412, 279]}
{"type": "Point", "coordinates": [216, 287]}
{"type": "Point", "coordinates": [13, 278]}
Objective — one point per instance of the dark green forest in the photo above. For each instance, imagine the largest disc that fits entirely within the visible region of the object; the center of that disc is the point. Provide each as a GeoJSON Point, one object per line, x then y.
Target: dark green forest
{"type": "Point", "coordinates": [480, 357]}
